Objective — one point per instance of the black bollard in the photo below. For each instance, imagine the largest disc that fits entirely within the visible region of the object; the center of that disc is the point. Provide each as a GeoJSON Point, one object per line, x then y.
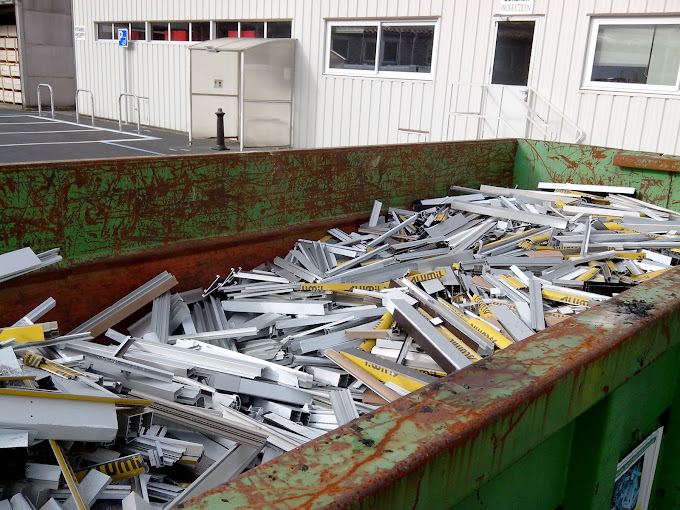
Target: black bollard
{"type": "Point", "coordinates": [220, 131]}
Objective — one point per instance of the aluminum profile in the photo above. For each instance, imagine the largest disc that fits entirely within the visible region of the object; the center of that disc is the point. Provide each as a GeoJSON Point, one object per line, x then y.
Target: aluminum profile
{"type": "Point", "coordinates": [343, 406]}
{"type": "Point", "coordinates": [427, 336]}
{"type": "Point", "coordinates": [127, 305]}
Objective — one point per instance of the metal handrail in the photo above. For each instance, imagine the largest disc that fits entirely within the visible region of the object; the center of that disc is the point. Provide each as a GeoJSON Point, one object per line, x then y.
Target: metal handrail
{"type": "Point", "coordinates": [51, 99]}
{"type": "Point", "coordinates": [120, 113]}
{"type": "Point", "coordinates": [91, 101]}
{"type": "Point", "coordinates": [529, 106]}
{"type": "Point", "coordinates": [580, 134]}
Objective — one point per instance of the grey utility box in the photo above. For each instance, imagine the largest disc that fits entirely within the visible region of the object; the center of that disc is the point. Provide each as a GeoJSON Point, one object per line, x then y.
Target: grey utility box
{"type": "Point", "coordinates": [252, 81]}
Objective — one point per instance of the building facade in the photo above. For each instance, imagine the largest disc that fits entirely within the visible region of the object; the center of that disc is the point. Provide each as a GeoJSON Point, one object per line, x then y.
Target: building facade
{"type": "Point", "coordinates": [601, 72]}
{"type": "Point", "coordinates": [36, 46]}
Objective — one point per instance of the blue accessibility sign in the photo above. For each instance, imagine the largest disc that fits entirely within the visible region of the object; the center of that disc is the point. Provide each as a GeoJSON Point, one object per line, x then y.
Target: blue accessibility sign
{"type": "Point", "coordinates": [123, 37]}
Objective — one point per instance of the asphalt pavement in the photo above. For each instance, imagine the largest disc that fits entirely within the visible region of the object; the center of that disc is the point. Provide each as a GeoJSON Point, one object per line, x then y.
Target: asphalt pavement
{"type": "Point", "coordinates": [26, 136]}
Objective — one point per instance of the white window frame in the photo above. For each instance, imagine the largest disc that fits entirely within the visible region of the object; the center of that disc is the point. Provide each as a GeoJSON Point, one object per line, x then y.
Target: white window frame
{"type": "Point", "coordinates": [376, 72]}
{"type": "Point", "coordinates": [114, 38]}
{"type": "Point", "coordinates": [595, 24]}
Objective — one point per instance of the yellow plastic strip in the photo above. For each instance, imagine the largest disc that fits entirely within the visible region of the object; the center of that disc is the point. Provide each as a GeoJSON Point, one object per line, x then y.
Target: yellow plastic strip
{"type": "Point", "coordinates": [457, 342]}
{"type": "Point", "coordinates": [564, 298]}
{"type": "Point", "coordinates": [23, 334]}
{"type": "Point", "coordinates": [383, 374]}
{"type": "Point", "coordinates": [65, 396]}
{"type": "Point", "coordinates": [119, 469]}
{"type": "Point", "coordinates": [488, 332]}
{"type": "Point", "coordinates": [70, 477]}
{"type": "Point", "coordinates": [588, 275]}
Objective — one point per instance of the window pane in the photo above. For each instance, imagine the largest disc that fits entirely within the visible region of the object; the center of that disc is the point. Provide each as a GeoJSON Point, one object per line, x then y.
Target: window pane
{"type": "Point", "coordinates": [138, 31]}
{"type": "Point", "coordinates": [353, 47]}
{"type": "Point", "coordinates": [645, 54]}
{"type": "Point", "coordinates": [227, 29]}
{"type": "Point", "coordinates": [407, 48]}
{"type": "Point", "coordinates": [665, 59]}
{"type": "Point", "coordinates": [252, 29]}
{"type": "Point", "coordinates": [279, 29]}
{"type": "Point", "coordinates": [118, 26]}
{"type": "Point", "coordinates": [179, 31]}
{"type": "Point", "coordinates": [104, 31]}
{"type": "Point", "coordinates": [159, 31]}
{"type": "Point", "coordinates": [200, 31]}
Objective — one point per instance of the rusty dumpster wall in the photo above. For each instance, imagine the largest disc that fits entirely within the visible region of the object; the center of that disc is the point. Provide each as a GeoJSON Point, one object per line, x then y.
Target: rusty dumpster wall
{"type": "Point", "coordinates": [121, 222]}
{"type": "Point", "coordinates": [653, 175]}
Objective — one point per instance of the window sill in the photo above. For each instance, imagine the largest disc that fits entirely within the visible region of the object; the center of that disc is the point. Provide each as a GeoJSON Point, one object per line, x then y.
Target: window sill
{"type": "Point", "coordinates": [630, 93]}
{"type": "Point", "coordinates": [396, 76]}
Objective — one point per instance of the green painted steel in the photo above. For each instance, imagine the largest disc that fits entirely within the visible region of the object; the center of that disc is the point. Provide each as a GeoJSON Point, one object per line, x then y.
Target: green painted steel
{"type": "Point", "coordinates": [539, 161]}
{"type": "Point", "coordinates": [97, 209]}
{"type": "Point", "coordinates": [541, 424]}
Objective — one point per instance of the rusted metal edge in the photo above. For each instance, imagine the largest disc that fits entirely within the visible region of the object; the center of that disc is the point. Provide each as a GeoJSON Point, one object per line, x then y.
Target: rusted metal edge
{"type": "Point", "coordinates": [231, 156]}
{"type": "Point", "coordinates": [452, 436]}
{"type": "Point", "coordinates": [190, 247]}
{"type": "Point", "coordinates": [647, 162]}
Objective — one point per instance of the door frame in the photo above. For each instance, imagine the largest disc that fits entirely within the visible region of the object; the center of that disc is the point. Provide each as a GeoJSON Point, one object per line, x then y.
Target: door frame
{"type": "Point", "coordinates": [533, 58]}
{"type": "Point", "coordinates": [535, 48]}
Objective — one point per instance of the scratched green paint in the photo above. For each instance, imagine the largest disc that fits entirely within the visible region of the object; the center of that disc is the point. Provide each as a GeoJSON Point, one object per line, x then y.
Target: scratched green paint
{"type": "Point", "coordinates": [539, 161]}
{"type": "Point", "coordinates": [93, 210]}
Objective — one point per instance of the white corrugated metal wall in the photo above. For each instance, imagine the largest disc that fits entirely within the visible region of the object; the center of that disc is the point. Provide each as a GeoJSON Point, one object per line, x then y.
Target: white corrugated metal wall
{"type": "Point", "coordinates": [349, 110]}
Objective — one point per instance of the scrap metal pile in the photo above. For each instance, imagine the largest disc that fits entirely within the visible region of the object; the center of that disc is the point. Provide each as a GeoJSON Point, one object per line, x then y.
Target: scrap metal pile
{"type": "Point", "coordinates": [212, 382]}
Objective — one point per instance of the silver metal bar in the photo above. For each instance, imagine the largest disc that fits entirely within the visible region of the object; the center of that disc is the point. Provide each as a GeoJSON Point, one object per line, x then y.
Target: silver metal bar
{"type": "Point", "coordinates": [160, 317]}
{"type": "Point", "coordinates": [358, 260]}
{"type": "Point", "coordinates": [586, 188]}
{"type": "Point", "coordinates": [343, 406]}
{"type": "Point", "coordinates": [301, 273]}
{"type": "Point", "coordinates": [536, 304]}
{"type": "Point", "coordinates": [241, 431]}
{"type": "Point", "coordinates": [300, 307]}
{"type": "Point", "coordinates": [426, 335]}
{"type": "Point", "coordinates": [459, 327]}
{"type": "Point", "coordinates": [127, 305]}
{"type": "Point", "coordinates": [539, 219]}
{"type": "Point", "coordinates": [35, 314]}
{"type": "Point", "coordinates": [515, 327]}
{"type": "Point", "coordinates": [393, 230]}
{"type": "Point", "coordinates": [375, 214]}
{"type": "Point", "coordinates": [49, 87]}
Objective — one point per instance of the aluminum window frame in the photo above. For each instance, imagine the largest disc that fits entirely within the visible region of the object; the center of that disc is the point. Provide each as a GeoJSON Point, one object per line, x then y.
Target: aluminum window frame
{"type": "Point", "coordinates": [595, 24]}
{"type": "Point", "coordinates": [376, 72]}
{"type": "Point", "coordinates": [266, 22]}
{"type": "Point", "coordinates": [114, 32]}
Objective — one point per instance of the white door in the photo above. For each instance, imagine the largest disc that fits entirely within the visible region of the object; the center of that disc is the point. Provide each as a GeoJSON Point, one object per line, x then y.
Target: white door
{"type": "Point", "coordinates": [505, 110]}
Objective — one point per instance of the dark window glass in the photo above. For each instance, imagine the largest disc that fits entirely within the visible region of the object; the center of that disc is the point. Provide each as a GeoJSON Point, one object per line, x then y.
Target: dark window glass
{"type": "Point", "coordinates": [118, 26]}
{"type": "Point", "coordinates": [279, 29]}
{"type": "Point", "coordinates": [226, 29]}
{"type": "Point", "coordinates": [353, 47]}
{"type": "Point", "coordinates": [513, 53]}
{"type": "Point", "coordinates": [407, 48]}
{"type": "Point", "coordinates": [104, 31]}
{"type": "Point", "coordinates": [159, 32]}
{"type": "Point", "coordinates": [252, 29]}
{"type": "Point", "coordinates": [138, 31]}
{"type": "Point", "coordinates": [179, 31]}
{"type": "Point", "coordinates": [200, 31]}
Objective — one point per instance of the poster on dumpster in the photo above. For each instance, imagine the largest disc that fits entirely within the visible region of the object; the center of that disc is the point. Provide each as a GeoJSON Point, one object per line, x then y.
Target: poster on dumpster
{"type": "Point", "coordinates": [635, 475]}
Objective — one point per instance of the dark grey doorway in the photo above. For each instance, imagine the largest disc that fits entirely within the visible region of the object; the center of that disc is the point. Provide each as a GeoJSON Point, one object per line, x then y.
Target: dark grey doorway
{"type": "Point", "coordinates": [512, 57]}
